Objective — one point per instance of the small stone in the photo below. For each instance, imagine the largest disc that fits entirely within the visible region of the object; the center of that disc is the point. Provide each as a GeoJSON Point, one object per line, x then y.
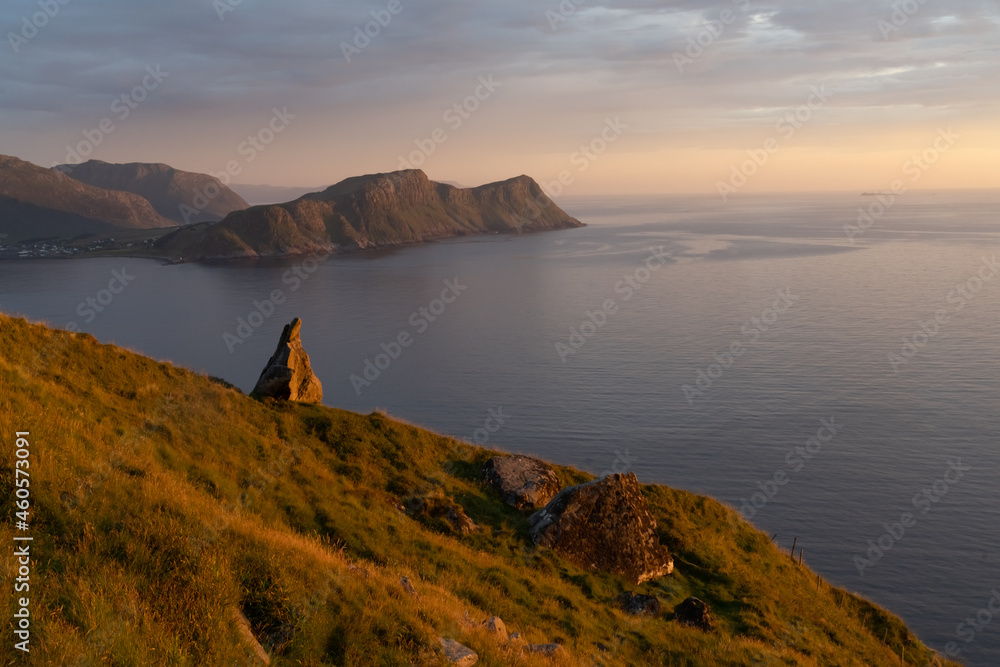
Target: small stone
{"type": "Point", "coordinates": [496, 627]}
{"type": "Point", "coordinates": [441, 509]}
{"type": "Point", "coordinates": [548, 650]}
{"type": "Point", "coordinates": [695, 613]}
{"type": "Point", "coordinates": [407, 586]}
{"type": "Point", "coordinates": [458, 654]}
{"type": "Point", "coordinates": [639, 604]}
{"type": "Point", "coordinates": [515, 636]}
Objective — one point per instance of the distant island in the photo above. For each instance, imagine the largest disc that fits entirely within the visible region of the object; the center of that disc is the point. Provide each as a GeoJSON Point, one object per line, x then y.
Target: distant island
{"type": "Point", "coordinates": [154, 210]}
{"type": "Point", "coordinates": [375, 211]}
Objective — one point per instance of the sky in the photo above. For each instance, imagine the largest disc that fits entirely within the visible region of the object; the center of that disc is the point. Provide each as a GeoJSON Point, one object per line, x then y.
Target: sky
{"type": "Point", "coordinates": [585, 96]}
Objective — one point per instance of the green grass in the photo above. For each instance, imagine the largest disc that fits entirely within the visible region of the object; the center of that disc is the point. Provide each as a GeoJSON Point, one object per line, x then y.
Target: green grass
{"type": "Point", "coordinates": [164, 499]}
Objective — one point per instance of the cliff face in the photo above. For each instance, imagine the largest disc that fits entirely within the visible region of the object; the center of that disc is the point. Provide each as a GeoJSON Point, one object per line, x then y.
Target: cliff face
{"type": "Point", "coordinates": [373, 211]}
{"type": "Point", "coordinates": [36, 202]}
{"type": "Point", "coordinates": [166, 188]}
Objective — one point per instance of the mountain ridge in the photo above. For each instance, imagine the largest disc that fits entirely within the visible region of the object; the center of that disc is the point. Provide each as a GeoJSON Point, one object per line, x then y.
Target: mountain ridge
{"type": "Point", "coordinates": [36, 202]}
{"type": "Point", "coordinates": [372, 211]}
{"type": "Point", "coordinates": [171, 191]}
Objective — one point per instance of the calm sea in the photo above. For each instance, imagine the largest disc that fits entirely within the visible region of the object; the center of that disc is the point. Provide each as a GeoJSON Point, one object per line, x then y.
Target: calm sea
{"type": "Point", "coordinates": [700, 344]}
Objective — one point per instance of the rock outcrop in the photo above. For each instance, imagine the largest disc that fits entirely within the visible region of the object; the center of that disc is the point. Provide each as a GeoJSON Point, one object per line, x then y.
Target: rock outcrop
{"type": "Point", "coordinates": [604, 525]}
{"type": "Point", "coordinates": [375, 211]}
{"type": "Point", "coordinates": [288, 375]}
{"type": "Point", "coordinates": [522, 481]}
{"type": "Point", "coordinates": [695, 613]}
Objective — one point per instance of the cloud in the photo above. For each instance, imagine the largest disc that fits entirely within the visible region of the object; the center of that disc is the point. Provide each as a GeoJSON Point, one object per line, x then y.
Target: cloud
{"type": "Point", "coordinates": [605, 58]}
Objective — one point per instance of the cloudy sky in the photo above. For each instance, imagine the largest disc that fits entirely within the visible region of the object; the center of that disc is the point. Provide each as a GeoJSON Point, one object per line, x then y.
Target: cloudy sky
{"type": "Point", "coordinates": [637, 96]}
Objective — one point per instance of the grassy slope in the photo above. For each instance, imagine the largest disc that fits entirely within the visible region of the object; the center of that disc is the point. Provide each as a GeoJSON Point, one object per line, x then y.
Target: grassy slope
{"type": "Point", "coordinates": [163, 498]}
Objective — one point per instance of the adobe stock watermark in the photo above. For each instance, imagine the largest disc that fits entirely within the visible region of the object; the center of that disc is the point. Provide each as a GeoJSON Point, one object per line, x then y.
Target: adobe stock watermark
{"type": "Point", "coordinates": [968, 629]}
{"type": "Point", "coordinates": [623, 463]}
{"type": "Point", "coordinates": [454, 116]}
{"type": "Point", "coordinates": [249, 149]}
{"type": "Point", "coordinates": [705, 378]}
{"type": "Point", "coordinates": [958, 298]}
{"type": "Point", "coordinates": [420, 320]}
{"type": "Point", "coordinates": [914, 168]}
{"type": "Point", "coordinates": [902, 12]}
{"type": "Point", "coordinates": [795, 460]}
{"type": "Point", "coordinates": [122, 107]}
{"type": "Point", "coordinates": [32, 25]}
{"type": "Point", "coordinates": [223, 7]}
{"type": "Point", "coordinates": [494, 422]}
{"type": "Point", "coordinates": [924, 502]}
{"type": "Point", "coordinates": [786, 127]}
{"type": "Point", "coordinates": [598, 318]}
{"type": "Point", "coordinates": [363, 35]}
{"type": "Point", "coordinates": [89, 308]}
{"type": "Point", "coordinates": [709, 34]}
{"type": "Point", "coordinates": [262, 480]}
{"type": "Point", "coordinates": [563, 12]}
{"type": "Point", "coordinates": [586, 155]}
{"type": "Point", "coordinates": [264, 309]}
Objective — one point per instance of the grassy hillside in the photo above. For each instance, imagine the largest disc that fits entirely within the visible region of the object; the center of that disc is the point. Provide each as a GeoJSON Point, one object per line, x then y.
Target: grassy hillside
{"type": "Point", "coordinates": [164, 500]}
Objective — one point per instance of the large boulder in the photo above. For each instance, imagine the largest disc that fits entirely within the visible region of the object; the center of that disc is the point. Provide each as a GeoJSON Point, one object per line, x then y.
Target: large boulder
{"type": "Point", "coordinates": [523, 482]}
{"type": "Point", "coordinates": [288, 375]}
{"type": "Point", "coordinates": [604, 525]}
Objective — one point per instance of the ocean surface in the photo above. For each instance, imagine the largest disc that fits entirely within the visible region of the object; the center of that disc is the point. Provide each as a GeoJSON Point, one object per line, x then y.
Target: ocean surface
{"type": "Point", "coordinates": [729, 349]}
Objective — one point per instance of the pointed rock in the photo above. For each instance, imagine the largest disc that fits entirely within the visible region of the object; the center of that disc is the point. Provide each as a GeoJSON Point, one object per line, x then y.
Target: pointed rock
{"type": "Point", "coordinates": [604, 525]}
{"type": "Point", "coordinates": [288, 375]}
